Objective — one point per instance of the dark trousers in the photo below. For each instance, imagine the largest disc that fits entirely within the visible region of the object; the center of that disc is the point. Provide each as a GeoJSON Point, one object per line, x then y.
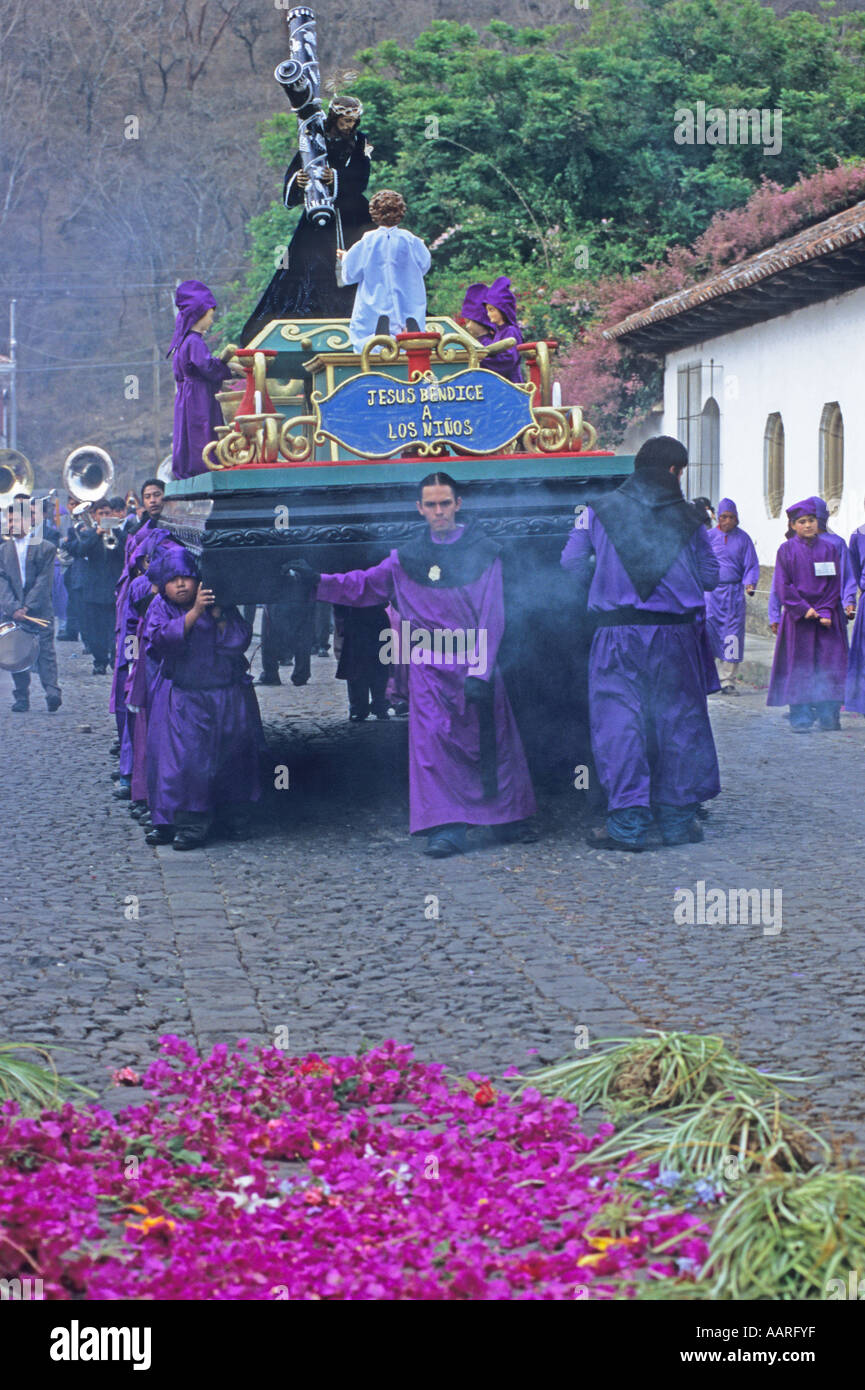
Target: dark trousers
{"type": "Point", "coordinates": [74, 622]}
{"type": "Point", "coordinates": [367, 693]}
{"type": "Point", "coordinates": [99, 631]}
{"type": "Point", "coordinates": [827, 712]}
{"type": "Point", "coordinates": [287, 632]}
{"type": "Point", "coordinates": [321, 635]}
{"type": "Point", "coordinates": [45, 667]}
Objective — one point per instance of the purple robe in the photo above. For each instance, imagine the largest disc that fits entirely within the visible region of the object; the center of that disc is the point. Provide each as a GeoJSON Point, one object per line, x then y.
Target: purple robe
{"type": "Point", "coordinates": [502, 297]}
{"type": "Point", "coordinates": [854, 695]}
{"type": "Point", "coordinates": [810, 662]}
{"type": "Point", "coordinates": [196, 410]}
{"type": "Point", "coordinates": [142, 675]}
{"type": "Point", "coordinates": [725, 605]}
{"type": "Point", "coordinates": [648, 714]}
{"type": "Point", "coordinates": [848, 574]}
{"type": "Point", "coordinates": [204, 728]}
{"type": "Point", "coordinates": [445, 779]}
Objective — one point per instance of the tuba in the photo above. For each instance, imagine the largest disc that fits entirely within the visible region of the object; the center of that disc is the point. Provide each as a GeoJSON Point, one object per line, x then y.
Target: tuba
{"type": "Point", "coordinates": [16, 475]}
{"type": "Point", "coordinates": [88, 473]}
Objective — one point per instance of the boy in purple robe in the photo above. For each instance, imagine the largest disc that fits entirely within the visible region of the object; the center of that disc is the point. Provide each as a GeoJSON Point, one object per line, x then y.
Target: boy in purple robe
{"type": "Point", "coordinates": [725, 605]}
{"type": "Point", "coordinates": [491, 314]}
{"type": "Point", "coordinates": [810, 663]}
{"type": "Point", "coordinates": [854, 697]}
{"type": "Point", "coordinates": [198, 376]}
{"type": "Point", "coordinates": [648, 714]}
{"type": "Point", "coordinates": [466, 759]}
{"type": "Point", "coordinates": [848, 576]}
{"type": "Point", "coordinates": [204, 728]}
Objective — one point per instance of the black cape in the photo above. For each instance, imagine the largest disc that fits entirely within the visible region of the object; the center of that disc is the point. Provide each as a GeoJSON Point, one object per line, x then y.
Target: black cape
{"type": "Point", "coordinates": [648, 521]}
{"type": "Point", "coordinates": [449, 566]}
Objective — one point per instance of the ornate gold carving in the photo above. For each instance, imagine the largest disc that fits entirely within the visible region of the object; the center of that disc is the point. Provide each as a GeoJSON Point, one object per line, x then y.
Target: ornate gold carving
{"type": "Point", "coordinates": [296, 447]}
{"type": "Point", "coordinates": [390, 350]}
{"type": "Point", "coordinates": [551, 431]}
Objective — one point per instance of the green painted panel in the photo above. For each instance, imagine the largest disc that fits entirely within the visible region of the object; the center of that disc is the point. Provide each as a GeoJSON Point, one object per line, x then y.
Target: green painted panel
{"type": "Point", "coordinates": [389, 471]}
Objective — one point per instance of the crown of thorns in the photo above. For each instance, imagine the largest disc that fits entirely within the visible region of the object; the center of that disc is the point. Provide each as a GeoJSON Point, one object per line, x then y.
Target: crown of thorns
{"type": "Point", "coordinates": [345, 106]}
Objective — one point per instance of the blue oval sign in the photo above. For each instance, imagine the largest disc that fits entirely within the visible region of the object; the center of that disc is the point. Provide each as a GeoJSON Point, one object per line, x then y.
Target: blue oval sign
{"type": "Point", "coordinates": [375, 415]}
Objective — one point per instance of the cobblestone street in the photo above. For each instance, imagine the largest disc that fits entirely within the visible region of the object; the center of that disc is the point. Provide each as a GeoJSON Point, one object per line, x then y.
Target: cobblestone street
{"type": "Point", "coordinates": [322, 926]}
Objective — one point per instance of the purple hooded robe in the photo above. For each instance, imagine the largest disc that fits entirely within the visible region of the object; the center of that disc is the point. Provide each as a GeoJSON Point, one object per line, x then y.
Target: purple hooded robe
{"type": "Point", "coordinates": [197, 375]}
{"type": "Point", "coordinates": [648, 715]}
{"type": "Point", "coordinates": [204, 731]}
{"type": "Point", "coordinates": [854, 696]}
{"type": "Point", "coordinates": [810, 661]}
{"type": "Point", "coordinates": [446, 783]}
{"type": "Point", "coordinates": [502, 297]}
{"type": "Point", "coordinates": [725, 605]}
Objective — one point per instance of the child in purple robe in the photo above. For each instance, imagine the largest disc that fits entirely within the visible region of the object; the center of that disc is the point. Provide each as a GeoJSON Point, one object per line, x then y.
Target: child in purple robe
{"type": "Point", "coordinates": [854, 697]}
{"type": "Point", "coordinates": [204, 727]}
{"type": "Point", "coordinates": [198, 376]}
{"type": "Point", "coordinates": [725, 605]}
{"type": "Point", "coordinates": [491, 314]}
{"type": "Point", "coordinates": [810, 662]}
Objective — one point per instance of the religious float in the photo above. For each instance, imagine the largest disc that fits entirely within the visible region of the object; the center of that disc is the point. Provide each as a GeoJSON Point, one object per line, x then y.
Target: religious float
{"type": "Point", "coordinates": [320, 455]}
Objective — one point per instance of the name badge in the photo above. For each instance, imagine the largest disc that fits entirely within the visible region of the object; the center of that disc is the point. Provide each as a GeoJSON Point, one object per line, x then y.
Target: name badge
{"type": "Point", "coordinates": [824, 567]}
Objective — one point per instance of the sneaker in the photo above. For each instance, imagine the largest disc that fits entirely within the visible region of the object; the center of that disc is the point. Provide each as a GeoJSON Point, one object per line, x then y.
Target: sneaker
{"type": "Point", "coordinates": [53, 702]}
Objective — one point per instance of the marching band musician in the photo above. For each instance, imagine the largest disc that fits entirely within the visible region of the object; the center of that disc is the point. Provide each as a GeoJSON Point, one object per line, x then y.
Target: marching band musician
{"type": "Point", "coordinates": [26, 591]}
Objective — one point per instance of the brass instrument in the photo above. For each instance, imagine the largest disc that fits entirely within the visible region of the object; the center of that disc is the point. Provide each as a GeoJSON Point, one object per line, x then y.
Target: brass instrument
{"type": "Point", "coordinates": [88, 473]}
{"type": "Point", "coordinates": [16, 475]}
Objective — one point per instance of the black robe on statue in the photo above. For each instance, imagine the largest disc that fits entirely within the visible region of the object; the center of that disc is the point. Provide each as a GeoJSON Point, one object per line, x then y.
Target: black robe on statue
{"type": "Point", "coordinates": [306, 288]}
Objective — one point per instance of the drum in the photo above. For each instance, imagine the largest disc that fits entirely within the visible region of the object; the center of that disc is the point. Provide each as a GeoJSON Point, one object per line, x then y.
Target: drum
{"type": "Point", "coordinates": [18, 649]}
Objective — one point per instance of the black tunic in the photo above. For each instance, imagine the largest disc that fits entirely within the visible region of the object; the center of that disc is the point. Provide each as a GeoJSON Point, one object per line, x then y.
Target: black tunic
{"type": "Point", "coordinates": [306, 288]}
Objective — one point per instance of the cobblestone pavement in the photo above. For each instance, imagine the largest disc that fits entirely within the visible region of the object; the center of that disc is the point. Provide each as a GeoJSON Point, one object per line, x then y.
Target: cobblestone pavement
{"type": "Point", "coordinates": [323, 926]}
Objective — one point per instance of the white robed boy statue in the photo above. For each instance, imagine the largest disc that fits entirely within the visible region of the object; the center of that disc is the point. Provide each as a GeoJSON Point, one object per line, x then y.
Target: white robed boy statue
{"type": "Point", "coordinates": [387, 265]}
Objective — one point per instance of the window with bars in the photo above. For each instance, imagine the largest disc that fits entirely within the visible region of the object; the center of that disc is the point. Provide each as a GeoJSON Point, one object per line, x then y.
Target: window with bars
{"type": "Point", "coordinates": [699, 429]}
{"type": "Point", "coordinates": [773, 464]}
{"type": "Point", "coordinates": [832, 455]}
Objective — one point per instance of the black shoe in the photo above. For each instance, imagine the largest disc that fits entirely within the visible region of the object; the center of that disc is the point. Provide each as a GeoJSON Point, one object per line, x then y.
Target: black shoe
{"type": "Point", "coordinates": [265, 679]}
{"type": "Point", "coordinates": [53, 702]}
{"type": "Point", "coordinates": [302, 680]}
{"type": "Point", "coordinates": [114, 750]}
{"type": "Point", "coordinates": [20, 705]}
{"type": "Point", "coordinates": [99, 670]}
{"type": "Point", "coordinates": [237, 830]}
{"type": "Point", "coordinates": [115, 775]}
{"type": "Point", "coordinates": [412, 326]}
{"type": "Point", "coordinates": [383, 325]}
{"type": "Point", "coordinates": [123, 792]}
{"type": "Point", "coordinates": [358, 718]}
{"type": "Point", "coordinates": [694, 836]}
{"type": "Point", "coordinates": [145, 820]}
{"type": "Point", "coordinates": [159, 835]}
{"type": "Point", "coordinates": [188, 838]}
{"type": "Point", "coordinates": [446, 840]}
{"type": "Point", "coordinates": [702, 813]}
{"type": "Point", "coordinates": [599, 839]}
{"type": "Point", "coordinates": [137, 809]}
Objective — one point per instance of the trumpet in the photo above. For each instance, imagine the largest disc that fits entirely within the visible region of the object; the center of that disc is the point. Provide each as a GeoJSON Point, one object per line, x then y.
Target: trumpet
{"type": "Point", "coordinates": [105, 528]}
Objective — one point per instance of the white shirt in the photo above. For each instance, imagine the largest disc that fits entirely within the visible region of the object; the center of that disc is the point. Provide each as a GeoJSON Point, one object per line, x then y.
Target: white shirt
{"type": "Point", "coordinates": [388, 266]}
{"type": "Point", "coordinates": [21, 543]}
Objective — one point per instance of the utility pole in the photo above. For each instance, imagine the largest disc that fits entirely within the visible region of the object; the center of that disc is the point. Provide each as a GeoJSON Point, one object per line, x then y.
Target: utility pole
{"type": "Point", "coordinates": [157, 453]}
{"type": "Point", "coordinates": [12, 429]}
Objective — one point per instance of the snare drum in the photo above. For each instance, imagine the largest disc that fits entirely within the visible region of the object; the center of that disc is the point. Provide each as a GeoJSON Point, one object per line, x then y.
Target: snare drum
{"type": "Point", "coordinates": [18, 649]}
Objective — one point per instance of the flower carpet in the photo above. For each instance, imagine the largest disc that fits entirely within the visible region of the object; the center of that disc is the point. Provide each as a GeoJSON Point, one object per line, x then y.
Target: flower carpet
{"type": "Point", "coordinates": [256, 1175]}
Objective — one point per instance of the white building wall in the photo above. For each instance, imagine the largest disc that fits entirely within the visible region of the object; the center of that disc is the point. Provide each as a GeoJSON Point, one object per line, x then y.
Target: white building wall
{"type": "Point", "coordinates": [794, 364]}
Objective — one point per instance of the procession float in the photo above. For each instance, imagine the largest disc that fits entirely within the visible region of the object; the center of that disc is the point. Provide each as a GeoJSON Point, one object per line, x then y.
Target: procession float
{"type": "Point", "coordinates": [319, 456]}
